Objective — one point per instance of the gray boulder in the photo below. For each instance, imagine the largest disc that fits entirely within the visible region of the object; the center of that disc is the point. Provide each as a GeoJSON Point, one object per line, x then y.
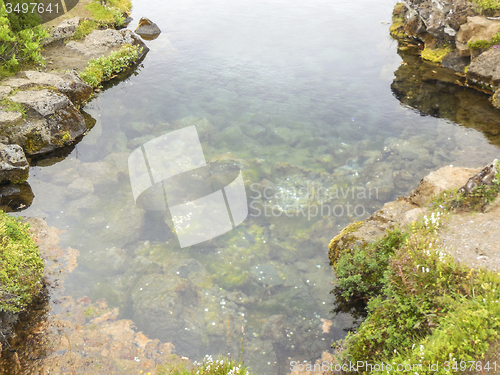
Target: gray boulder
{"type": "Point", "coordinates": [103, 42]}
{"type": "Point", "coordinates": [14, 167]}
{"type": "Point", "coordinates": [54, 122]}
{"type": "Point", "coordinates": [69, 84]}
{"type": "Point", "coordinates": [147, 29]}
{"type": "Point", "coordinates": [63, 31]}
{"type": "Point", "coordinates": [485, 68]}
{"type": "Point", "coordinates": [439, 19]}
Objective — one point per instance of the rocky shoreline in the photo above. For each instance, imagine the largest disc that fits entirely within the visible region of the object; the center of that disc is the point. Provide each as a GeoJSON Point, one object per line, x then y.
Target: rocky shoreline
{"type": "Point", "coordinates": [458, 35]}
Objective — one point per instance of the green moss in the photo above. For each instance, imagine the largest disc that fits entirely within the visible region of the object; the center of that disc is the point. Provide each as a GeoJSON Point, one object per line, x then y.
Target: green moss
{"type": "Point", "coordinates": [105, 68]}
{"type": "Point", "coordinates": [435, 54]}
{"type": "Point", "coordinates": [64, 138]}
{"type": "Point", "coordinates": [21, 268]}
{"type": "Point", "coordinates": [341, 241]}
{"type": "Point", "coordinates": [34, 143]}
{"type": "Point", "coordinates": [109, 11]}
{"type": "Point", "coordinates": [397, 27]}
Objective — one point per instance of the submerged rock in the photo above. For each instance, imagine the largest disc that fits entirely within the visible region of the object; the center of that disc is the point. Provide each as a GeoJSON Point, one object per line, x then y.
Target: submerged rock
{"type": "Point", "coordinates": [147, 29]}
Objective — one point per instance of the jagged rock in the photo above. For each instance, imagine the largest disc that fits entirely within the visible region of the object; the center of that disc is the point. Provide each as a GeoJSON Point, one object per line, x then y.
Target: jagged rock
{"type": "Point", "coordinates": [439, 19]}
{"type": "Point", "coordinates": [14, 167]}
{"type": "Point", "coordinates": [400, 212]}
{"type": "Point", "coordinates": [485, 177]}
{"type": "Point", "coordinates": [485, 68]}
{"type": "Point", "coordinates": [147, 29]}
{"type": "Point", "coordinates": [103, 42]}
{"type": "Point", "coordinates": [55, 122]}
{"type": "Point", "coordinates": [438, 181]}
{"type": "Point", "coordinates": [63, 31]}
{"type": "Point", "coordinates": [476, 28]}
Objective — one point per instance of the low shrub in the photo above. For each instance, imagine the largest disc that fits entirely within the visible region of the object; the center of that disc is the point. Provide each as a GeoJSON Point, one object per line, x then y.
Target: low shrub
{"type": "Point", "coordinates": [20, 40]}
{"type": "Point", "coordinates": [105, 68]}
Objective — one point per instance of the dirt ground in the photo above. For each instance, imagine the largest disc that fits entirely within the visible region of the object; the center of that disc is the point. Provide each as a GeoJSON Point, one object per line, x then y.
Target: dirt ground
{"type": "Point", "coordinates": [473, 238]}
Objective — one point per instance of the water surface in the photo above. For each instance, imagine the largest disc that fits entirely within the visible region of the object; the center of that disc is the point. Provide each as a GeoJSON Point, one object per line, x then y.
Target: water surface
{"type": "Point", "coordinates": [295, 94]}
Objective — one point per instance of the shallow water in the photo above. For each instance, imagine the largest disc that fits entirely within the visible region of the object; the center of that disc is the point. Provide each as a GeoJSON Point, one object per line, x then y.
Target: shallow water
{"type": "Point", "coordinates": [265, 83]}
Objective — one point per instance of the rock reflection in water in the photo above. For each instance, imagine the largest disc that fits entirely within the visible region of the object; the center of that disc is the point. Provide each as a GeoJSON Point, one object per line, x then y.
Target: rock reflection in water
{"type": "Point", "coordinates": [440, 92]}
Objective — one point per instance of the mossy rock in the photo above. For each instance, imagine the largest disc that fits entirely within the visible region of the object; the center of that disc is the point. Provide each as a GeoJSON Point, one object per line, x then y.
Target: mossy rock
{"type": "Point", "coordinates": [342, 240]}
{"type": "Point", "coordinates": [21, 268]}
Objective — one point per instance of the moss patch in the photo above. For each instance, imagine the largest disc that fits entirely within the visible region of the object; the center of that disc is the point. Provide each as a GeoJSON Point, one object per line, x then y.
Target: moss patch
{"type": "Point", "coordinates": [435, 54]}
{"type": "Point", "coordinates": [21, 268]}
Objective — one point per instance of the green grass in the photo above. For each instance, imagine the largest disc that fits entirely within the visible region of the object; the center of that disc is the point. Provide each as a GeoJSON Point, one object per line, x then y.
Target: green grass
{"type": "Point", "coordinates": [21, 268]}
{"type": "Point", "coordinates": [85, 28]}
{"type": "Point", "coordinates": [435, 54]}
{"type": "Point", "coordinates": [429, 308]}
{"type": "Point", "coordinates": [109, 11]}
{"type": "Point", "coordinates": [105, 68]}
{"type": "Point", "coordinates": [8, 105]}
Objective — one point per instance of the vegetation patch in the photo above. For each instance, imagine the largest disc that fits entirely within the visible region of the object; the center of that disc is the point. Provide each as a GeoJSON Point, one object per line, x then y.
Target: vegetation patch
{"type": "Point", "coordinates": [476, 200]}
{"type": "Point", "coordinates": [109, 11]}
{"type": "Point", "coordinates": [424, 308]}
{"type": "Point", "coordinates": [105, 68]}
{"type": "Point", "coordinates": [487, 5]}
{"type": "Point", "coordinates": [484, 44]}
{"type": "Point", "coordinates": [20, 40]}
{"type": "Point", "coordinates": [435, 54]}
{"type": "Point", "coordinates": [21, 268]}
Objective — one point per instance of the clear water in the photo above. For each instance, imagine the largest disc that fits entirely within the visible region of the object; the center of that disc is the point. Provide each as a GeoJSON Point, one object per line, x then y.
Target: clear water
{"type": "Point", "coordinates": [306, 83]}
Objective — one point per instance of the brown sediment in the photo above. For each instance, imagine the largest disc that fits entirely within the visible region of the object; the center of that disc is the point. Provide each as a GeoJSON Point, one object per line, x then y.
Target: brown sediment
{"type": "Point", "coordinates": [62, 335]}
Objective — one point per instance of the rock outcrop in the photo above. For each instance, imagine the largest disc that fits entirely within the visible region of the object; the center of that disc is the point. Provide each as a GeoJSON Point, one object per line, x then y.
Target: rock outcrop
{"type": "Point", "coordinates": [456, 34]}
{"type": "Point", "coordinates": [400, 212]}
{"type": "Point", "coordinates": [103, 42]}
{"type": "Point", "coordinates": [147, 29]}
